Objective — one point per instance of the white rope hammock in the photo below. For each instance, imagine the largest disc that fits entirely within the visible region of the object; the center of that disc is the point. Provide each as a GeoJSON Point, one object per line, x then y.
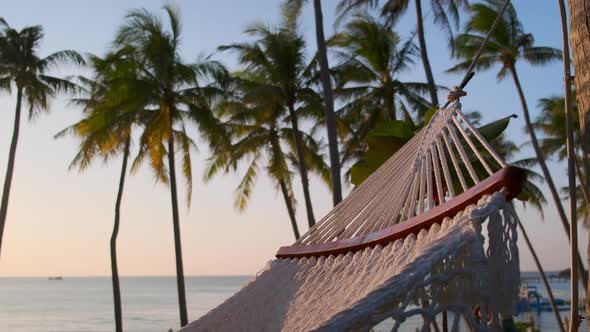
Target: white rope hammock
{"type": "Point", "coordinates": [382, 255]}
{"type": "Point", "coordinates": [409, 183]}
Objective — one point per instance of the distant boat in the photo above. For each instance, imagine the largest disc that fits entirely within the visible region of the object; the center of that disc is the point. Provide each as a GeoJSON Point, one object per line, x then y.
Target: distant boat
{"type": "Point", "coordinates": [56, 278]}
{"type": "Point", "coordinates": [531, 300]}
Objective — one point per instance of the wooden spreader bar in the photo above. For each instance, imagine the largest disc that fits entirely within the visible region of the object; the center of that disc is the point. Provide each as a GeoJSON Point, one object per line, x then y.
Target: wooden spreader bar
{"type": "Point", "coordinates": [510, 178]}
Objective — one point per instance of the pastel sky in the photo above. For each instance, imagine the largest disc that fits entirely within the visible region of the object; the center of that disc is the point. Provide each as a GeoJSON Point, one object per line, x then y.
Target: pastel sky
{"type": "Point", "coordinates": [59, 222]}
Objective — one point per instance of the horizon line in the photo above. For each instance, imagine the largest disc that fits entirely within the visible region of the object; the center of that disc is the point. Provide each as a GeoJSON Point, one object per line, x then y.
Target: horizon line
{"type": "Point", "coordinates": [129, 275]}
{"type": "Point", "coordinates": [174, 276]}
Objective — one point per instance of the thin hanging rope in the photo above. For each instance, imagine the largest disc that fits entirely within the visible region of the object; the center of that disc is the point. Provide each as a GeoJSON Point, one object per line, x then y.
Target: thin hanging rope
{"type": "Point", "coordinates": [456, 92]}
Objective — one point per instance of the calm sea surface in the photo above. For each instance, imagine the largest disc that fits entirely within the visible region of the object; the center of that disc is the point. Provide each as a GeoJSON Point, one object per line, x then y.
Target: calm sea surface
{"type": "Point", "coordinates": [85, 304]}
{"type": "Point", "coordinates": [149, 303]}
{"type": "Point", "coordinates": [561, 289]}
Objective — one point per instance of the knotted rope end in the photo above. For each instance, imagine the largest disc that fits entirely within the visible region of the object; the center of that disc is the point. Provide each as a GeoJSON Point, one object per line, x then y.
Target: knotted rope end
{"type": "Point", "coordinates": [455, 94]}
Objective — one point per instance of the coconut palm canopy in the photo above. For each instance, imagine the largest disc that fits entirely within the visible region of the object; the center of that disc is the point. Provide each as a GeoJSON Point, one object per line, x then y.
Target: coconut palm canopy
{"type": "Point", "coordinates": [22, 67]}
{"type": "Point", "coordinates": [508, 44]}
{"type": "Point", "coordinates": [551, 122]}
{"type": "Point", "coordinates": [276, 58]}
{"type": "Point", "coordinates": [262, 138]}
{"type": "Point", "coordinates": [371, 59]}
{"type": "Point", "coordinates": [171, 93]}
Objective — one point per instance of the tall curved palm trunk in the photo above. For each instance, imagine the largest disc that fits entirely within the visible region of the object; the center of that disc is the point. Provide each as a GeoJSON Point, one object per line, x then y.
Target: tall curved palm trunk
{"type": "Point", "coordinates": [543, 164]}
{"type": "Point", "coordinates": [285, 191]}
{"type": "Point", "coordinates": [390, 105]}
{"type": "Point", "coordinates": [114, 235]}
{"type": "Point", "coordinates": [580, 44]}
{"type": "Point", "coordinates": [301, 163]}
{"type": "Point", "coordinates": [177, 244]}
{"type": "Point", "coordinates": [574, 267]}
{"type": "Point", "coordinates": [328, 104]}
{"type": "Point", "coordinates": [424, 53]}
{"type": "Point", "coordinates": [290, 209]}
{"type": "Point", "coordinates": [10, 167]}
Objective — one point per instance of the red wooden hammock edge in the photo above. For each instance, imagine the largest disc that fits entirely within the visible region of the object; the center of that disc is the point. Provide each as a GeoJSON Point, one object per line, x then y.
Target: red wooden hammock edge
{"type": "Point", "coordinates": [511, 178]}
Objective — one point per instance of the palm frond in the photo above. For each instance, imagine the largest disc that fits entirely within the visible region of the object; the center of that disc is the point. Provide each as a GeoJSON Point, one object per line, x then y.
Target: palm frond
{"type": "Point", "coordinates": [244, 190]}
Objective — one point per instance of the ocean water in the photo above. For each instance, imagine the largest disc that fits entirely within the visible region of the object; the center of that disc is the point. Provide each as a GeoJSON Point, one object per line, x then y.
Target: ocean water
{"type": "Point", "coordinates": [85, 304]}
{"type": "Point", "coordinates": [546, 321]}
{"type": "Point", "coordinates": [149, 303]}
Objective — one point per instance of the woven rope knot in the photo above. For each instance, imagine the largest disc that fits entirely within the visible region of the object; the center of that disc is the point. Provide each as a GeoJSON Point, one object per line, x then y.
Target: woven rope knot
{"type": "Point", "coordinates": [456, 93]}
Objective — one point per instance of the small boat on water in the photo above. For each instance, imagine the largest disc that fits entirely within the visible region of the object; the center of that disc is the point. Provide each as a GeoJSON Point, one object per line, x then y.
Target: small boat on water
{"type": "Point", "coordinates": [532, 300]}
{"type": "Point", "coordinates": [56, 278]}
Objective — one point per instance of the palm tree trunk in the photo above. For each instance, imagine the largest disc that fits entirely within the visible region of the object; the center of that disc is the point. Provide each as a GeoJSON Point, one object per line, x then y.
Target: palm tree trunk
{"type": "Point", "coordinates": [543, 276]}
{"type": "Point", "coordinates": [328, 104]}
{"type": "Point", "coordinates": [424, 54]}
{"type": "Point", "coordinates": [290, 209]}
{"type": "Point", "coordinates": [580, 43]}
{"type": "Point", "coordinates": [544, 168]}
{"type": "Point", "coordinates": [10, 167]}
{"type": "Point", "coordinates": [571, 173]}
{"type": "Point", "coordinates": [114, 267]}
{"type": "Point", "coordinates": [302, 166]}
{"type": "Point", "coordinates": [177, 244]}
{"type": "Point", "coordinates": [390, 105]}
{"type": "Point", "coordinates": [582, 180]}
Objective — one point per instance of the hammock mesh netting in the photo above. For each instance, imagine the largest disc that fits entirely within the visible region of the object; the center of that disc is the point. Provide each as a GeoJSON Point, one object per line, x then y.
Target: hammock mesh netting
{"type": "Point", "coordinates": [426, 233]}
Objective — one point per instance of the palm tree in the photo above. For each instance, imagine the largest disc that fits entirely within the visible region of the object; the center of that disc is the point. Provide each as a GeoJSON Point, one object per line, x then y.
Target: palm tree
{"type": "Point", "coordinates": [255, 143]}
{"type": "Point", "coordinates": [372, 57]}
{"type": "Point", "coordinates": [445, 14]}
{"type": "Point", "coordinates": [105, 131]}
{"type": "Point", "coordinates": [171, 93]}
{"type": "Point", "coordinates": [508, 44]}
{"type": "Point", "coordinates": [580, 42]}
{"type": "Point", "coordinates": [257, 126]}
{"type": "Point", "coordinates": [293, 7]}
{"type": "Point", "coordinates": [23, 68]}
{"type": "Point", "coordinates": [551, 122]}
{"type": "Point", "coordinates": [277, 58]}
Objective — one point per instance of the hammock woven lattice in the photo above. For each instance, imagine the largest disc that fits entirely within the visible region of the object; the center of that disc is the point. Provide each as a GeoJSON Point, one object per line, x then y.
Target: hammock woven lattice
{"type": "Point", "coordinates": [426, 233]}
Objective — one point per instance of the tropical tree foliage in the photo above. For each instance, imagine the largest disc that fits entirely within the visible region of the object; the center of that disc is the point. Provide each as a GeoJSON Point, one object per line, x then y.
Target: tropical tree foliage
{"type": "Point", "coordinates": [508, 45]}
{"type": "Point", "coordinates": [262, 138]}
{"type": "Point", "coordinates": [105, 132]}
{"type": "Point", "coordinates": [23, 69]}
{"type": "Point", "coordinates": [444, 12]}
{"type": "Point", "coordinates": [276, 57]}
{"type": "Point", "coordinates": [371, 58]}
{"type": "Point", "coordinates": [551, 122]}
{"type": "Point", "coordinates": [173, 93]}
{"type": "Point", "coordinates": [293, 10]}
